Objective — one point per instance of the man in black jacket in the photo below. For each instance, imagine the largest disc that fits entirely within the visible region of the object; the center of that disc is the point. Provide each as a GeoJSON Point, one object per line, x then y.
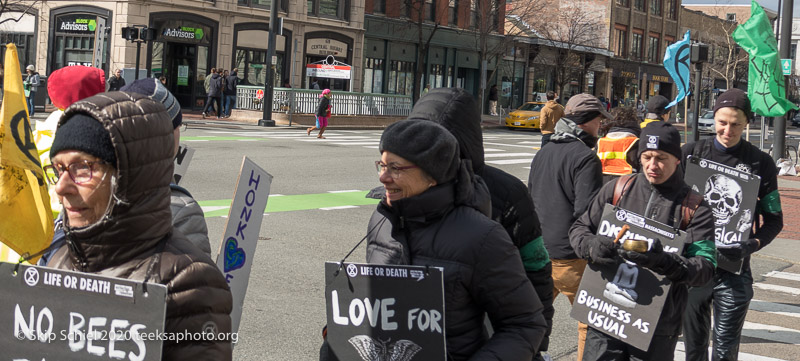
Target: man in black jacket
{"type": "Point", "coordinates": [214, 94]}
{"type": "Point", "coordinates": [564, 177]}
{"type": "Point", "coordinates": [512, 207]}
{"type": "Point", "coordinates": [730, 293]}
{"type": "Point", "coordinates": [658, 193]}
{"type": "Point", "coordinates": [229, 93]}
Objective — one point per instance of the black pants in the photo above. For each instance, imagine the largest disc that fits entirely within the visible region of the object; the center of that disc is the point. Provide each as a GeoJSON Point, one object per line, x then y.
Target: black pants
{"type": "Point", "coordinates": [600, 347]}
{"type": "Point", "coordinates": [546, 139]}
{"type": "Point", "coordinates": [209, 103]}
{"type": "Point", "coordinates": [729, 294]}
{"type": "Point", "coordinates": [542, 281]}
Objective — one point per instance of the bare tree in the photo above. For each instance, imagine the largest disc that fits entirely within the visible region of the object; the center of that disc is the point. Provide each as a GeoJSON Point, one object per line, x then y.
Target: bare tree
{"type": "Point", "coordinates": [728, 60]}
{"type": "Point", "coordinates": [23, 7]}
{"type": "Point", "coordinates": [425, 22]}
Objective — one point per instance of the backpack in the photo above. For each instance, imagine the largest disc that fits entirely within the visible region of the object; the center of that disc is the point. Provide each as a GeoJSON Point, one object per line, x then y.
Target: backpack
{"type": "Point", "coordinates": [689, 206]}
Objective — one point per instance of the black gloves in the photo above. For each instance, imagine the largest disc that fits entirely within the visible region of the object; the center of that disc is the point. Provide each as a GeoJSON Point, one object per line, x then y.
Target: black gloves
{"type": "Point", "coordinates": [739, 250]}
{"type": "Point", "coordinates": [600, 250]}
{"type": "Point", "coordinates": [670, 265]}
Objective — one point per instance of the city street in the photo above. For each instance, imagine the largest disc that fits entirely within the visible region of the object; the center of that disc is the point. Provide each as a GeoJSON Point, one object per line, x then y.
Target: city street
{"type": "Point", "coordinates": [317, 212]}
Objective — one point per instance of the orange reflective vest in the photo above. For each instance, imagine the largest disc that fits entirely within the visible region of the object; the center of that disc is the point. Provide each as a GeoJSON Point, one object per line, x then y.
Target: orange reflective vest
{"type": "Point", "coordinates": [613, 154]}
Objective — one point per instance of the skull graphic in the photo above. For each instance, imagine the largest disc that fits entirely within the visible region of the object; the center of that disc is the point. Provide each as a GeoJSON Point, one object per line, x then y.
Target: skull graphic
{"type": "Point", "coordinates": [724, 196]}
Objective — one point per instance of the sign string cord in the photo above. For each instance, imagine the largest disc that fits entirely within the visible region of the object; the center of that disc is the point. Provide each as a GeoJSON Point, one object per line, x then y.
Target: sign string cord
{"type": "Point", "coordinates": [341, 263]}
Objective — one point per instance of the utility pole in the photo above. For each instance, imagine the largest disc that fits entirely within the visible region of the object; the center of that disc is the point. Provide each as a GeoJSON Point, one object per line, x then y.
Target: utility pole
{"type": "Point", "coordinates": [698, 54]}
{"type": "Point", "coordinates": [779, 142]}
{"type": "Point", "coordinates": [266, 119]}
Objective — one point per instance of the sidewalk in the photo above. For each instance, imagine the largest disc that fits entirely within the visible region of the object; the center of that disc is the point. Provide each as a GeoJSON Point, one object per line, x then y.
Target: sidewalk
{"type": "Point", "coordinates": [785, 247]}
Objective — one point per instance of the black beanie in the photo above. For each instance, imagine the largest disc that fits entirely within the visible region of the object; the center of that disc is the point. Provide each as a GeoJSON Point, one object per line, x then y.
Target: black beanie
{"type": "Point", "coordinates": [84, 133]}
{"type": "Point", "coordinates": [426, 144]}
{"type": "Point", "coordinates": [660, 136]}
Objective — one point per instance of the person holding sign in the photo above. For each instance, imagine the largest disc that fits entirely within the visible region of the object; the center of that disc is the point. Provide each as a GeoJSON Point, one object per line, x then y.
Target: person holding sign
{"type": "Point", "coordinates": [730, 293]}
{"type": "Point", "coordinates": [657, 193]}
{"type": "Point", "coordinates": [111, 168]}
{"type": "Point", "coordinates": [434, 213]}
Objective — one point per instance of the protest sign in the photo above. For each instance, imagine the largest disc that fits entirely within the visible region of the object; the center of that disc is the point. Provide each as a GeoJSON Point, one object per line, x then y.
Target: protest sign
{"type": "Point", "coordinates": [53, 314]}
{"type": "Point", "coordinates": [182, 160]}
{"type": "Point", "coordinates": [235, 256]}
{"type": "Point", "coordinates": [624, 300]}
{"type": "Point", "coordinates": [385, 312]}
{"type": "Point", "coordinates": [731, 193]}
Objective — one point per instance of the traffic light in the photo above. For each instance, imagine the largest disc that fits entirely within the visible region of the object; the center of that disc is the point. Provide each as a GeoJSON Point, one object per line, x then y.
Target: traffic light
{"type": "Point", "coordinates": [699, 53]}
{"type": "Point", "coordinates": [130, 33]}
{"type": "Point", "coordinates": [138, 33]}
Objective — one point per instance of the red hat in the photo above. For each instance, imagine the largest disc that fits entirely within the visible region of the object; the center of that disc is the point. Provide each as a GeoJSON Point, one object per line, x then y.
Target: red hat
{"type": "Point", "coordinates": [72, 83]}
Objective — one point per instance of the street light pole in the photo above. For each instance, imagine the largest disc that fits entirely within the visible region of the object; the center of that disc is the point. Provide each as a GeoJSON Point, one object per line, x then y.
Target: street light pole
{"type": "Point", "coordinates": [266, 119]}
{"type": "Point", "coordinates": [779, 142]}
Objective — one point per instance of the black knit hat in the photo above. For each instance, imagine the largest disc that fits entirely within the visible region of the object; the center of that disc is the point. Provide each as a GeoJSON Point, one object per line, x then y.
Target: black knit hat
{"type": "Point", "coordinates": [658, 105]}
{"type": "Point", "coordinates": [660, 136]}
{"type": "Point", "coordinates": [734, 98]}
{"type": "Point", "coordinates": [426, 144]}
{"type": "Point", "coordinates": [84, 133]}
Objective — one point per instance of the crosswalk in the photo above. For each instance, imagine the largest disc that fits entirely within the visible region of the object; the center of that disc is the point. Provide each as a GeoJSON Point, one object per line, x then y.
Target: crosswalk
{"type": "Point", "coordinates": [772, 328]}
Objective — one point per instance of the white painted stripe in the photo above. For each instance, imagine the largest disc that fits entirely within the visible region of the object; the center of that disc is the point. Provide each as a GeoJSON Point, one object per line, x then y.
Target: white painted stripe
{"type": "Point", "coordinates": [783, 289]}
{"type": "Point", "coordinates": [345, 191]}
{"type": "Point", "coordinates": [772, 333]}
{"type": "Point", "coordinates": [213, 208]}
{"type": "Point", "coordinates": [248, 140]}
{"type": "Point", "coordinates": [527, 167]}
{"type": "Point", "coordinates": [496, 155]}
{"type": "Point", "coordinates": [493, 150]}
{"type": "Point", "coordinates": [508, 145]}
{"type": "Point", "coordinates": [196, 140]}
{"type": "Point", "coordinates": [680, 355]}
{"type": "Point", "coordinates": [529, 142]}
{"type": "Point", "coordinates": [509, 161]}
{"type": "Point", "coordinates": [276, 195]}
{"type": "Point", "coordinates": [775, 308]}
{"type": "Point", "coordinates": [354, 143]}
{"type": "Point", "coordinates": [371, 146]}
{"type": "Point", "coordinates": [784, 275]}
{"type": "Point", "coordinates": [339, 207]}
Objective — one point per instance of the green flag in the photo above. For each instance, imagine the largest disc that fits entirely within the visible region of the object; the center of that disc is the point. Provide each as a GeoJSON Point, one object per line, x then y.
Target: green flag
{"type": "Point", "coordinates": [766, 87]}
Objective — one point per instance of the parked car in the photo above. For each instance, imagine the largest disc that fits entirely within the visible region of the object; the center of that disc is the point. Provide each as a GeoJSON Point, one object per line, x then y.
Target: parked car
{"type": "Point", "coordinates": [706, 122]}
{"type": "Point", "coordinates": [526, 116]}
{"type": "Point", "coordinates": [796, 120]}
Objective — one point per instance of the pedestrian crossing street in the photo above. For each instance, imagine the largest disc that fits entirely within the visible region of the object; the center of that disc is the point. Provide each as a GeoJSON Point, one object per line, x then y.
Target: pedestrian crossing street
{"type": "Point", "coordinates": [772, 327]}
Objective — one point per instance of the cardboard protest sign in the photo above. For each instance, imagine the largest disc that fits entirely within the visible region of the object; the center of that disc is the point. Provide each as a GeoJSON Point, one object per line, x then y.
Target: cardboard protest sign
{"type": "Point", "coordinates": [385, 312]}
{"type": "Point", "coordinates": [235, 257]}
{"type": "Point", "coordinates": [625, 301]}
{"type": "Point", "coordinates": [182, 160]}
{"type": "Point", "coordinates": [731, 193]}
{"type": "Point", "coordinates": [51, 314]}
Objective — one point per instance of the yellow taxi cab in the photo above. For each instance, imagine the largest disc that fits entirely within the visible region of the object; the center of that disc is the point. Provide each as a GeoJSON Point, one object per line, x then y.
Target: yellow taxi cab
{"type": "Point", "coordinates": [526, 116]}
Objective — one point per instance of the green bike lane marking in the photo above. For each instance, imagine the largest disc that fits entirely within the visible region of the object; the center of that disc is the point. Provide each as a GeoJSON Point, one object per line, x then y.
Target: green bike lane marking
{"type": "Point", "coordinates": [217, 138]}
{"type": "Point", "coordinates": [298, 202]}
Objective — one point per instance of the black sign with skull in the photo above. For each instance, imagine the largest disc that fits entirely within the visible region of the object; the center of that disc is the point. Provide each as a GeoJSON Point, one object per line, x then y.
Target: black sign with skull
{"type": "Point", "coordinates": [731, 193]}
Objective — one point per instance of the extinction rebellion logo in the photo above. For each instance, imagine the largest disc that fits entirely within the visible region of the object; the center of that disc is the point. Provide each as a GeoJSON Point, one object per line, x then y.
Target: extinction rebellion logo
{"type": "Point", "coordinates": [184, 32]}
{"type": "Point", "coordinates": [79, 25]}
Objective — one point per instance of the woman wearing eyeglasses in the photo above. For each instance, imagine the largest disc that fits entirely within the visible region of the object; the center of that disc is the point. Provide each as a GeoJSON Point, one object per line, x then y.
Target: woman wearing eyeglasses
{"type": "Point", "coordinates": [111, 169]}
{"type": "Point", "coordinates": [435, 213]}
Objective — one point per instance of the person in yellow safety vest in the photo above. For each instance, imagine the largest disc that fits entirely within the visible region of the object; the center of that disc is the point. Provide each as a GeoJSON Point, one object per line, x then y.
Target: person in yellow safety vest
{"type": "Point", "coordinates": [617, 148]}
{"type": "Point", "coordinates": [656, 110]}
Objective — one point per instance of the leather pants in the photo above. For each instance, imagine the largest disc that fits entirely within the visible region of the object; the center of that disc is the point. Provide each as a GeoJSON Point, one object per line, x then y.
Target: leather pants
{"type": "Point", "coordinates": [729, 295]}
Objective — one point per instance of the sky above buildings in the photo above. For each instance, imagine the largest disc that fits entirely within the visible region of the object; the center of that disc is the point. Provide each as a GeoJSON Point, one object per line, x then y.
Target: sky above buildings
{"type": "Point", "coordinates": [769, 4]}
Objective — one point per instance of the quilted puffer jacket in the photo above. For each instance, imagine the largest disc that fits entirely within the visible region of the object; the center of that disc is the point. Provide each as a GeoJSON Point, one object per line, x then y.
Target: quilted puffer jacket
{"type": "Point", "coordinates": [136, 229]}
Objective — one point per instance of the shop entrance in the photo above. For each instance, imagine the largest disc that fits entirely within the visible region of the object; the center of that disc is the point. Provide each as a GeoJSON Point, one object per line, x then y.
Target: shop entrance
{"type": "Point", "coordinates": [180, 69]}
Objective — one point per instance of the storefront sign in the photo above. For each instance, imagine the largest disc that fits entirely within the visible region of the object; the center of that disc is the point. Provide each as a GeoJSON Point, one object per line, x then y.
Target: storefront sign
{"type": "Point", "coordinates": [184, 32]}
{"type": "Point", "coordinates": [183, 75]}
{"type": "Point", "coordinates": [660, 78]}
{"type": "Point", "coordinates": [83, 24]}
{"type": "Point", "coordinates": [325, 47]}
{"type": "Point", "coordinates": [626, 74]}
{"type": "Point", "coordinates": [385, 312]}
{"type": "Point", "coordinates": [328, 71]}
{"type": "Point", "coordinates": [50, 314]}
{"type": "Point", "coordinates": [731, 193]}
{"type": "Point", "coordinates": [625, 300]}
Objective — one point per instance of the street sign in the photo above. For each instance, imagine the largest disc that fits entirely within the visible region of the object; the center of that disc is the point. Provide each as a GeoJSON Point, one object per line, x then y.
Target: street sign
{"type": "Point", "coordinates": [786, 66]}
{"type": "Point", "coordinates": [260, 94]}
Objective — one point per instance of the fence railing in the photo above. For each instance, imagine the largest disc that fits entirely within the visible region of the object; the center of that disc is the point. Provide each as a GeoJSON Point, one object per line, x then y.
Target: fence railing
{"type": "Point", "coordinates": [305, 101]}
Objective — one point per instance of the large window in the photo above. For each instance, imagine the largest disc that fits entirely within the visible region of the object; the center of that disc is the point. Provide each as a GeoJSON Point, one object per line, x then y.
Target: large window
{"type": "Point", "coordinates": [335, 9]}
{"type": "Point", "coordinates": [452, 13]}
{"type": "Point", "coordinates": [373, 75]}
{"type": "Point", "coordinates": [283, 5]}
{"type": "Point", "coordinates": [652, 49]}
{"type": "Point", "coordinates": [252, 65]}
{"type": "Point", "coordinates": [623, 3]}
{"type": "Point", "coordinates": [639, 5]}
{"type": "Point", "coordinates": [636, 46]}
{"type": "Point", "coordinates": [620, 40]}
{"type": "Point", "coordinates": [655, 7]}
{"type": "Point", "coordinates": [436, 78]}
{"type": "Point", "coordinates": [25, 46]}
{"type": "Point", "coordinates": [670, 11]}
{"type": "Point", "coordinates": [401, 78]}
{"type": "Point", "coordinates": [379, 6]}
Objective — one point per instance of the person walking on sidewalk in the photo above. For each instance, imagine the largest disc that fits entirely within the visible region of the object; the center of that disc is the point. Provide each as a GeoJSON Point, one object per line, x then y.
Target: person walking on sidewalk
{"type": "Point", "coordinates": [551, 113]}
{"type": "Point", "coordinates": [564, 177]}
{"type": "Point", "coordinates": [493, 97]}
{"type": "Point", "coordinates": [229, 94]}
{"type": "Point", "coordinates": [31, 86]}
{"type": "Point", "coordinates": [729, 294]}
{"type": "Point", "coordinates": [323, 113]}
{"type": "Point", "coordinates": [214, 93]}
{"type": "Point", "coordinates": [115, 81]}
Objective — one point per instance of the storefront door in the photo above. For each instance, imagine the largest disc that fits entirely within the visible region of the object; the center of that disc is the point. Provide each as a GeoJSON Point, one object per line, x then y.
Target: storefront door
{"type": "Point", "coordinates": [180, 65]}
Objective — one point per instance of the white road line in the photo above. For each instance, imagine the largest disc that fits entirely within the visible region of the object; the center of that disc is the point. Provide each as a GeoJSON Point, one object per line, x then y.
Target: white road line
{"type": "Point", "coordinates": [497, 155]}
{"type": "Point", "coordinates": [344, 191]}
{"type": "Point", "coordinates": [529, 142]}
{"type": "Point", "coordinates": [492, 150]}
{"type": "Point", "coordinates": [207, 209]}
{"type": "Point", "coordinates": [371, 146]}
{"type": "Point", "coordinates": [783, 289]}
{"type": "Point", "coordinates": [354, 143]}
{"type": "Point", "coordinates": [509, 161]}
{"type": "Point", "coordinates": [247, 140]}
{"type": "Point", "coordinates": [339, 207]}
{"type": "Point", "coordinates": [784, 275]}
{"type": "Point", "coordinates": [508, 145]}
{"type": "Point", "coordinates": [772, 333]}
{"type": "Point", "coordinates": [680, 355]}
{"type": "Point", "coordinates": [196, 140]}
{"type": "Point", "coordinates": [776, 308]}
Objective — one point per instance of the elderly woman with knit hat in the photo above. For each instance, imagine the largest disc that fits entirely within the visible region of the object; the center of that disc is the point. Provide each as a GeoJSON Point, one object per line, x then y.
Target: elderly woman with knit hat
{"type": "Point", "coordinates": [111, 169]}
{"type": "Point", "coordinates": [435, 213]}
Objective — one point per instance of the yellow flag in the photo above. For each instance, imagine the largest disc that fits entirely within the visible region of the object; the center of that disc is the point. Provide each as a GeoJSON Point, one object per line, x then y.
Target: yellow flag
{"type": "Point", "coordinates": [26, 224]}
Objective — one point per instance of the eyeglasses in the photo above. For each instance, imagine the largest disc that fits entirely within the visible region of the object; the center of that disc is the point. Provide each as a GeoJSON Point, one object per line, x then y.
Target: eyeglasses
{"type": "Point", "coordinates": [394, 171]}
{"type": "Point", "coordinates": [80, 171]}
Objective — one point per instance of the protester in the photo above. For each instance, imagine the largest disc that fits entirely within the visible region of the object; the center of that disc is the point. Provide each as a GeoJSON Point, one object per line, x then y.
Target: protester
{"type": "Point", "coordinates": [564, 177]}
{"type": "Point", "coordinates": [493, 97]}
{"type": "Point", "coordinates": [187, 216]}
{"type": "Point", "coordinates": [730, 293]}
{"type": "Point", "coordinates": [116, 81]}
{"type": "Point", "coordinates": [658, 193]}
{"type": "Point", "coordinates": [214, 93]}
{"type": "Point", "coordinates": [444, 207]}
{"type": "Point", "coordinates": [229, 94]}
{"type": "Point", "coordinates": [656, 110]}
{"type": "Point", "coordinates": [512, 207]}
{"type": "Point", "coordinates": [617, 148]}
{"type": "Point", "coordinates": [314, 84]}
{"type": "Point", "coordinates": [640, 108]}
{"type": "Point", "coordinates": [323, 113]}
{"type": "Point", "coordinates": [549, 116]}
{"type": "Point", "coordinates": [112, 165]}
{"type": "Point", "coordinates": [32, 86]}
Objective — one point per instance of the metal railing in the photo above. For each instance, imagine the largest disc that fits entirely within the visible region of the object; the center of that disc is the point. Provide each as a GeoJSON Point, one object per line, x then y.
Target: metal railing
{"type": "Point", "coordinates": [305, 101]}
